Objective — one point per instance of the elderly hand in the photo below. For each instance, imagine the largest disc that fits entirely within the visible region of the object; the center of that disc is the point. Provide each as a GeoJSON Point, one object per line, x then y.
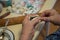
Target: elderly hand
{"type": "Point", "coordinates": [28, 26]}
{"type": "Point", "coordinates": [51, 16]}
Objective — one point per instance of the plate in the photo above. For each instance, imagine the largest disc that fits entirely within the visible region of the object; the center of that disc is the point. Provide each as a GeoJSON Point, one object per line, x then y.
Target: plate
{"type": "Point", "coordinates": [6, 35]}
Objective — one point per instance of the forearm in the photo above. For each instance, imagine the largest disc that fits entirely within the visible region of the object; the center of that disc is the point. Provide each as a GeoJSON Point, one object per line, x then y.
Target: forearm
{"type": "Point", "coordinates": [26, 35]}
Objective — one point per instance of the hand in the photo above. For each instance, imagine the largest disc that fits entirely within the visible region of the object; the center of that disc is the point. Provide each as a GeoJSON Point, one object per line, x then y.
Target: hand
{"type": "Point", "coordinates": [51, 16]}
{"type": "Point", "coordinates": [28, 26]}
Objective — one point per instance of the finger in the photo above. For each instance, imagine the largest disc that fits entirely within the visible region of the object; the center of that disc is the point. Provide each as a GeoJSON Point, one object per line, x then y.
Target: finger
{"type": "Point", "coordinates": [33, 14]}
{"type": "Point", "coordinates": [45, 13]}
{"type": "Point", "coordinates": [45, 19]}
{"type": "Point", "coordinates": [48, 13]}
{"type": "Point", "coordinates": [27, 18]}
{"type": "Point", "coordinates": [35, 20]}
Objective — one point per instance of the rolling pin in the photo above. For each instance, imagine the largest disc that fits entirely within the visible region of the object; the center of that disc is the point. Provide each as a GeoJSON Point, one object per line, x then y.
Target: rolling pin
{"type": "Point", "coordinates": [13, 21]}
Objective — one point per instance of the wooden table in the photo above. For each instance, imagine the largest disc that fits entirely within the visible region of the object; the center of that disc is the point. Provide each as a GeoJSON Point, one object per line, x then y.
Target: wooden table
{"type": "Point", "coordinates": [18, 20]}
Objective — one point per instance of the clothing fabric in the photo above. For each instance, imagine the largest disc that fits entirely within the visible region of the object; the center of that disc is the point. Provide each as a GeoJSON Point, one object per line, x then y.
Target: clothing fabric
{"type": "Point", "coordinates": [54, 36]}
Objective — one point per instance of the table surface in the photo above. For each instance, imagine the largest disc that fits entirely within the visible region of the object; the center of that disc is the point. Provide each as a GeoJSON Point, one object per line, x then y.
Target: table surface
{"type": "Point", "coordinates": [16, 20]}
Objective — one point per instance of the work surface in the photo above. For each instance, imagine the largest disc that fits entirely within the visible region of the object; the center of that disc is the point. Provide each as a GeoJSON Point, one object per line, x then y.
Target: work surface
{"type": "Point", "coordinates": [18, 19]}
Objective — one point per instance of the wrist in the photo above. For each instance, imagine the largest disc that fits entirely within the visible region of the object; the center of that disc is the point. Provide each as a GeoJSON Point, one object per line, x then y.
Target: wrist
{"type": "Point", "coordinates": [25, 37]}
